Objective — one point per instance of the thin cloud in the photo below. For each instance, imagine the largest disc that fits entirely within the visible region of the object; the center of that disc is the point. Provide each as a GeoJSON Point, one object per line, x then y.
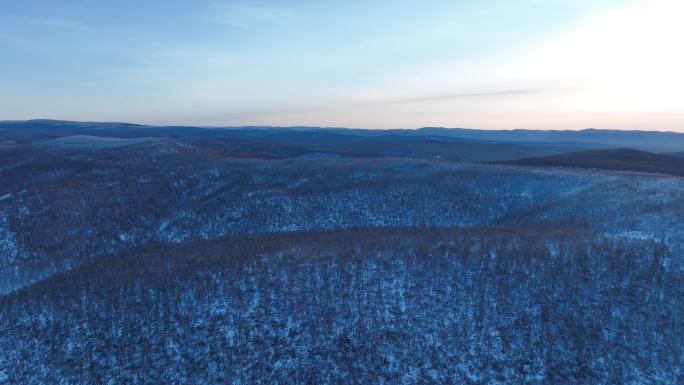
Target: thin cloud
{"type": "Point", "coordinates": [472, 95]}
{"type": "Point", "coordinates": [249, 16]}
{"type": "Point", "coordinates": [255, 115]}
{"type": "Point", "coordinates": [48, 22]}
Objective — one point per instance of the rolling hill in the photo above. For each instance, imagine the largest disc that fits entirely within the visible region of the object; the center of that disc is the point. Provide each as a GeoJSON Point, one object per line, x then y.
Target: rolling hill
{"type": "Point", "coordinates": [486, 305]}
{"type": "Point", "coordinates": [619, 159]}
{"type": "Point", "coordinates": [427, 143]}
{"type": "Point", "coordinates": [191, 255]}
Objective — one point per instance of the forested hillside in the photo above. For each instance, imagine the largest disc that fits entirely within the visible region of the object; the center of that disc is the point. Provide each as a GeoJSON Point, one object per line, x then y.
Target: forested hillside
{"type": "Point", "coordinates": [152, 255]}
{"type": "Point", "coordinates": [486, 305]}
{"type": "Point", "coordinates": [63, 207]}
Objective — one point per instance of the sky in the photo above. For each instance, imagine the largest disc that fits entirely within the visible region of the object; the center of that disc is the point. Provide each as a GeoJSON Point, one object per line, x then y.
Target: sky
{"type": "Point", "coordinates": [495, 64]}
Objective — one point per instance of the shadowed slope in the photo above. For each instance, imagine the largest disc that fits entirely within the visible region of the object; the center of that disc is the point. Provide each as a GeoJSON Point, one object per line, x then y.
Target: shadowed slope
{"type": "Point", "coordinates": [620, 159]}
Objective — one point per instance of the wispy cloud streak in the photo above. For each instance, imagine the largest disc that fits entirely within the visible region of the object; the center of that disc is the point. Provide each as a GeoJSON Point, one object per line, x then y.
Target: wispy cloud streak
{"type": "Point", "coordinates": [471, 95]}
{"type": "Point", "coordinates": [250, 16]}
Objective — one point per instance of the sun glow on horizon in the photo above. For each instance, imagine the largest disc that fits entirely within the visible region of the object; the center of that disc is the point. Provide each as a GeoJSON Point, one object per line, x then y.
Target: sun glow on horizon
{"type": "Point", "coordinates": [609, 64]}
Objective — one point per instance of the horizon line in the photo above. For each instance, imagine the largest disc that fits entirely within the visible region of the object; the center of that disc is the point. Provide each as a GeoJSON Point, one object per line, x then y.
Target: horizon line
{"type": "Point", "coordinates": [257, 126]}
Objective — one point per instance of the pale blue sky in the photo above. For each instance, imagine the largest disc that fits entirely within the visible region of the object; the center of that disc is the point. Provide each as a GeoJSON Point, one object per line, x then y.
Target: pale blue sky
{"type": "Point", "coordinates": [378, 64]}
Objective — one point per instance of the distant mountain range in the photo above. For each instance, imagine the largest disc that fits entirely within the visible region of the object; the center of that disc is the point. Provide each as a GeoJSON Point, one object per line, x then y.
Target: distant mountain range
{"type": "Point", "coordinates": [427, 143]}
{"type": "Point", "coordinates": [656, 141]}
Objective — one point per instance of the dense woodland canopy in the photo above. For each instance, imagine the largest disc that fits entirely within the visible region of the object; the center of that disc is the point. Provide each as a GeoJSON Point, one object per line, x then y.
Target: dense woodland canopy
{"type": "Point", "coordinates": [481, 305]}
{"type": "Point", "coordinates": [264, 256]}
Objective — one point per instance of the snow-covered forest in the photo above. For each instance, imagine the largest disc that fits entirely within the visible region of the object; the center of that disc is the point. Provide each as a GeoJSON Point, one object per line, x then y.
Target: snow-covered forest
{"type": "Point", "coordinates": [494, 305]}
{"type": "Point", "coordinates": [194, 261]}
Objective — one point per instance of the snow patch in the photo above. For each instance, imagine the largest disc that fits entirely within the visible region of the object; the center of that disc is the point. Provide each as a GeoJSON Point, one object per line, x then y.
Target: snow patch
{"type": "Point", "coordinates": [635, 234]}
{"type": "Point", "coordinates": [9, 247]}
